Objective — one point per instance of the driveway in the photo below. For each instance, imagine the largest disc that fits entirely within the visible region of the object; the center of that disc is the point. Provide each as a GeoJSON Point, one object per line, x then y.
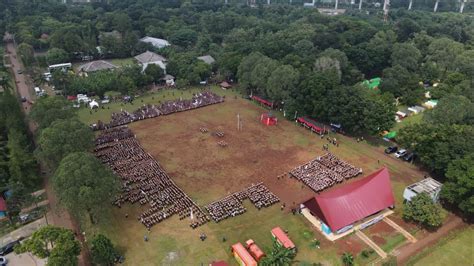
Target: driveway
{"type": "Point", "coordinates": [25, 259]}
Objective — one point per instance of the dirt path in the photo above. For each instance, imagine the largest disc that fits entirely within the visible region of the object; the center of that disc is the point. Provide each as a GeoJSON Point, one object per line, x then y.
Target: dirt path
{"type": "Point", "coordinates": [56, 215]}
{"type": "Point", "coordinates": [406, 252]}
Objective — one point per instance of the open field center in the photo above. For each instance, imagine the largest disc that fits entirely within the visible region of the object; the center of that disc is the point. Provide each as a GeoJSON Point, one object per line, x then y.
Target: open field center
{"type": "Point", "coordinates": [455, 249]}
{"type": "Point", "coordinates": [208, 172]}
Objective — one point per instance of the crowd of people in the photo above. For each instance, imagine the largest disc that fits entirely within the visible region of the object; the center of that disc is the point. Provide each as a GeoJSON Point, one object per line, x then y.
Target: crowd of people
{"type": "Point", "coordinates": [144, 180]}
{"type": "Point", "coordinates": [149, 111]}
{"type": "Point", "coordinates": [232, 206]}
{"type": "Point", "coordinates": [324, 171]}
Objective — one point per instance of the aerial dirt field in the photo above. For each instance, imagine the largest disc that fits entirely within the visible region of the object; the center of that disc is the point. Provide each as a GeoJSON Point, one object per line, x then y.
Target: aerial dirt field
{"type": "Point", "coordinates": [208, 172]}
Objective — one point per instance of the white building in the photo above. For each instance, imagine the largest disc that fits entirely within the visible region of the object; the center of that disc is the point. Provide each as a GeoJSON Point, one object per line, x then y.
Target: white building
{"type": "Point", "coordinates": [427, 185]}
{"type": "Point", "coordinates": [156, 42]}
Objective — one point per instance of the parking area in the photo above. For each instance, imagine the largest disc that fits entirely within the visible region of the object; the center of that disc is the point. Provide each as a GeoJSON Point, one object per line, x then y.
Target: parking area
{"type": "Point", "coordinates": [26, 259]}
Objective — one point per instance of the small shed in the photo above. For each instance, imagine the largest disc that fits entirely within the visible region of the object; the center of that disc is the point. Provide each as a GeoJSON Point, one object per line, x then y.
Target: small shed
{"type": "Point", "coordinates": [225, 85]}
{"type": "Point", "coordinates": [427, 185]}
{"type": "Point", "coordinates": [3, 208]}
{"type": "Point", "coordinates": [430, 104]}
{"type": "Point", "coordinates": [207, 59]}
{"type": "Point", "coordinates": [242, 256]}
{"type": "Point", "coordinates": [282, 239]}
{"type": "Point", "coordinates": [254, 250]}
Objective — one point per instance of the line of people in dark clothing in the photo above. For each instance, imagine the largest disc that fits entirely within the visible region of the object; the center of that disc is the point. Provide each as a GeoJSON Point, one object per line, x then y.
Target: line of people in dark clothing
{"type": "Point", "coordinates": [124, 117]}
{"type": "Point", "coordinates": [144, 180]}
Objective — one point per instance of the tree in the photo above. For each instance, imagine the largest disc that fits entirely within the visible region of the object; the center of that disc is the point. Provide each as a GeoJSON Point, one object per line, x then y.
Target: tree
{"type": "Point", "coordinates": [154, 72]}
{"type": "Point", "coordinates": [103, 251]}
{"type": "Point", "coordinates": [63, 137]}
{"type": "Point", "coordinates": [278, 256]}
{"type": "Point", "coordinates": [325, 63]}
{"type": "Point", "coordinates": [26, 53]}
{"type": "Point", "coordinates": [459, 186]}
{"type": "Point", "coordinates": [49, 109]}
{"type": "Point", "coordinates": [422, 210]}
{"type": "Point", "coordinates": [57, 56]}
{"type": "Point", "coordinates": [406, 55]}
{"type": "Point", "coordinates": [57, 244]}
{"type": "Point", "coordinates": [282, 82]}
{"type": "Point", "coordinates": [85, 186]}
{"type": "Point", "coordinates": [452, 109]}
{"type": "Point", "coordinates": [444, 52]}
{"type": "Point", "coordinates": [22, 165]}
{"type": "Point", "coordinates": [347, 259]}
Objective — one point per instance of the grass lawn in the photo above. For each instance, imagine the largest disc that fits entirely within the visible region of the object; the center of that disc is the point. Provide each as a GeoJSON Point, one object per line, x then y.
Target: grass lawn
{"type": "Point", "coordinates": [455, 249]}
{"type": "Point", "coordinates": [207, 173]}
{"type": "Point", "coordinates": [121, 62]}
{"type": "Point", "coordinates": [408, 121]}
{"type": "Point", "coordinates": [88, 117]}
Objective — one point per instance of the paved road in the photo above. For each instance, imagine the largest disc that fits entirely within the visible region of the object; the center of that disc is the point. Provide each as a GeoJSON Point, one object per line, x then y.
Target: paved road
{"type": "Point", "coordinates": [25, 259]}
{"type": "Point", "coordinates": [24, 231]}
{"type": "Point", "coordinates": [56, 216]}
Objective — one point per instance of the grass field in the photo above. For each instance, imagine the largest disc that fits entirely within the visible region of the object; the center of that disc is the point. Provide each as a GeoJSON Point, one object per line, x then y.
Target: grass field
{"type": "Point", "coordinates": [455, 249]}
{"type": "Point", "coordinates": [208, 172]}
{"type": "Point", "coordinates": [408, 121]}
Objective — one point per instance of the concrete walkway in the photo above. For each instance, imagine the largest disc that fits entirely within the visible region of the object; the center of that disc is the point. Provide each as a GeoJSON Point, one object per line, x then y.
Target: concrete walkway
{"type": "Point", "coordinates": [400, 229]}
{"type": "Point", "coordinates": [34, 206]}
{"type": "Point", "coordinates": [24, 231]}
{"type": "Point", "coordinates": [371, 244]}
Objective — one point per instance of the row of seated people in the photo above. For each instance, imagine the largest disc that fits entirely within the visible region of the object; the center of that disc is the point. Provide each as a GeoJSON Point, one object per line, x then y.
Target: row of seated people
{"type": "Point", "coordinates": [232, 206]}
{"type": "Point", "coordinates": [143, 180]}
{"type": "Point", "coordinates": [149, 111]}
{"type": "Point", "coordinates": [339, 166]}
{"type": "Point", "coordinates": [324, 172]}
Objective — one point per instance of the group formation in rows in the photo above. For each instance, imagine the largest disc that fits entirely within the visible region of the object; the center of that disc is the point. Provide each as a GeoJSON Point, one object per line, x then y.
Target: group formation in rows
{"type": "Point", "coordinates": [124, 117]}
{"type": "Point", "coordinates": [144, 180]}
{"type": "Point", "coordinates": [232, 206]}
{"type": "Point", "coordinates": [325, 171]}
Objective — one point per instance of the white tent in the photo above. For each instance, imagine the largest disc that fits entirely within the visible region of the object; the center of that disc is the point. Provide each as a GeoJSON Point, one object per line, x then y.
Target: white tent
{"type": "Point", "coordinates": [93, 104]}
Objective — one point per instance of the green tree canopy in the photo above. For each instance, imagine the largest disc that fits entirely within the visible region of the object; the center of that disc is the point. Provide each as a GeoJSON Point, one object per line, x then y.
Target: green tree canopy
{"type": "Point", "coordinates": [103, 251]}
{"type": "Point", "coordinates": [278, 256]}
{"type": "Point", "coordinates": [57, 244]}
{"type": "Point", "coordinates": [422, 210]}
{"type": "Point", "coordinates": [63, 137]}
{"type": "Point", "coordinates": [49, 109]}
{"type": "Point", "coordinates": [459, 186]}
{"type": "Point", "coordinates": [85, 186]}
{"type": "Point", "coordinates": [57, 56]}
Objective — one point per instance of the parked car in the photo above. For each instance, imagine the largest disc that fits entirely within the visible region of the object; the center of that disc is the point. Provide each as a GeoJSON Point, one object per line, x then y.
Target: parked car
{"type": "Point", "coordinates": [23, 99]}
{"type": "Point", "coordinates": [3, 261]}
{"type": "Point", "coordinates": [391, 149]}
{"type": "Point", "coordinates": [8, 248]}
{"type": "Point", "coordinates": [20, 71]}
{"type": "Point", "coordinates": [400, 153]}
{"type": "Point", "coordinates": [409, 156]}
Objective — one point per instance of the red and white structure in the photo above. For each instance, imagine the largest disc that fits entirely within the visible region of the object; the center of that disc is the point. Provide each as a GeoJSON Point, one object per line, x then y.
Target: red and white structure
{"type": "Point", "coordinates": [268, 119]}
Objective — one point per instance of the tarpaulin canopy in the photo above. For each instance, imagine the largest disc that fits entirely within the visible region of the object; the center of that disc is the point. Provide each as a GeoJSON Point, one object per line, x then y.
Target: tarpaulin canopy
{"type": "Point", "coordinates": [372, 83]}
{"type": "Point", "coordinates": [390, 135]}
{"type": "Point", "coordinates": [353, 202]}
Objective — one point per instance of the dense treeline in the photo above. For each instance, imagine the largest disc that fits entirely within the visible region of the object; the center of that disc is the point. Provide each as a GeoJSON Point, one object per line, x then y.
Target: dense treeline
{"type": "Point", "coordinates": [18, 167]}
{"type": "Point", "coordinates": [307, 63]}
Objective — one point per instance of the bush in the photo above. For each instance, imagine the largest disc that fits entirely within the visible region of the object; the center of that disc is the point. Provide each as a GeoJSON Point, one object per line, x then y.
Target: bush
{"type": "Point", "coordinates": [422, 210]}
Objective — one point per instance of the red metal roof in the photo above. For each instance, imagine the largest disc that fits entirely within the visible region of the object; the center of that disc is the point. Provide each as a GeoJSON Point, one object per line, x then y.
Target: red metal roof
{"type": "Point", "coordinates": [353, 202]}
{"type": "Point", "coordinates": [281, 236]}
{"type": "Point", "coordinates": [263, 101]}
{"type": "Point", "coordinates": [244, 255]}
{"type": "Point", "coordinates": [3, 204]}
{"type": "Point", "coordinates": [254, 250]}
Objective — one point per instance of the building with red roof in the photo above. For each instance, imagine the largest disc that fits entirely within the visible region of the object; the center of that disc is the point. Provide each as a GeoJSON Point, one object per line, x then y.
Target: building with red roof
{"type": "Point", "coordinates": [339, 209]}
{"type": "Point", "coordinates": [282, 238]}
{"type": "Point", "coordinates": [3, 208]}
{"type": "Point", "coordinates": [242, 256]}
{"type": "Point", "coordinates": [254, 250]}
